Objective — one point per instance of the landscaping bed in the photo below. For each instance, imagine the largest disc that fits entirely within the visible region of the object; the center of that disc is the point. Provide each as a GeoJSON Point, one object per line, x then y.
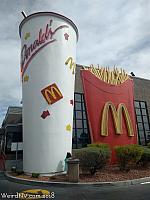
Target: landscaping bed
{"type": "Point", "coordinates": [112, 174]}
{"type": "Point", "coordinates": [108, 174]}
{"type": "Point", "coordinates": [133, 162]}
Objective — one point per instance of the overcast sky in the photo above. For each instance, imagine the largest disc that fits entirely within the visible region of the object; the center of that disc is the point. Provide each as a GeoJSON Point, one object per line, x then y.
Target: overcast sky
{"type": "Point", "coordinates": [110, 33]}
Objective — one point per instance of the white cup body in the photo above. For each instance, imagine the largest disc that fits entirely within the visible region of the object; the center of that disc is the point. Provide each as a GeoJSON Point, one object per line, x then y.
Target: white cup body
{"type": "Point", "coordinates": [46, 141]}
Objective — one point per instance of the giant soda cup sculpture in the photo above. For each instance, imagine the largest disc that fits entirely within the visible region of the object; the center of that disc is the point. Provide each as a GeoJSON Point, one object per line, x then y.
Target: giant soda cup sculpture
{"type": "Point", "coordinates": [48, 57]}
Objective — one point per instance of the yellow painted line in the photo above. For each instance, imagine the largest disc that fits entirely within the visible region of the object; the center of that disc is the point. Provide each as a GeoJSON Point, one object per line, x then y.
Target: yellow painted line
{"type": "Point", "coordinates": [34, 194]}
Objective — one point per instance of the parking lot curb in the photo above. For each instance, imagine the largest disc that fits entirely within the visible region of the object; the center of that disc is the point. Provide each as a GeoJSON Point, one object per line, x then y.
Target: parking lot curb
{"type": "Point", "coordinates": [65, 184]}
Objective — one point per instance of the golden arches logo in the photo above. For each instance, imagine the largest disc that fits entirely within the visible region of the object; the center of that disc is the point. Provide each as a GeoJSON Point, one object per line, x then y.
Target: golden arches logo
{"type": "Point", "coordinates": [117, 118]}
{"type": "Point", "coordinates": [52, 93]}
{"type": "Point", "coordinates": [72, 64]}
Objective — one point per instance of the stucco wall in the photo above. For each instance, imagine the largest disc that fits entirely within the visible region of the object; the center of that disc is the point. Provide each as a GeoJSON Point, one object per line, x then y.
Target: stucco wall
{"type": "Point", "coordinates": [142, 91]}
{"type": "Point", "coordinates": [78, 82]}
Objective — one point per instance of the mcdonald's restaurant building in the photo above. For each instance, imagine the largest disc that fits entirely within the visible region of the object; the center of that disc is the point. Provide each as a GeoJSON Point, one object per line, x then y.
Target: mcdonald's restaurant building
{"type": "Point", "coordinates": [12, 124]}
{"type": "Point", "coordinates": [81, 135]}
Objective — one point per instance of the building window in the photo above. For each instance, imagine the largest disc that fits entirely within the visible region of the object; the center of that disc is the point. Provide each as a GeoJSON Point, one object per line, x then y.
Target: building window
{"type": "Point", "coordinates": [12, 137]}
{"type": "Point", "coordinates": [80, 126]}
{"type": "Point", "coordinates": [142, 119]}
{"type": "Point", "coordinates": [9, 141]}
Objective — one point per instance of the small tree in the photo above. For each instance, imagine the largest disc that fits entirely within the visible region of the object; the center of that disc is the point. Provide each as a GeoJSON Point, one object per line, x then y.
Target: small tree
{"type": "Point", "coordinates": [93, 158]}
{"type": "Point", "coordinates": [128, 154]}
{"type": "Point", "coordinates": [145, 158]}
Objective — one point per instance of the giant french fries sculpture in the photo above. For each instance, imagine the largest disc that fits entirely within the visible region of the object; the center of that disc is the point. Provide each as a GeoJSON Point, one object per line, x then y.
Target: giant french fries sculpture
{"type": "Point", "coordinates": [109, 101]}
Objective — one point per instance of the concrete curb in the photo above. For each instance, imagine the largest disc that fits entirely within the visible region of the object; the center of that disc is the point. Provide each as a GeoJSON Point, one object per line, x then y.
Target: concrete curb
{"type": "Point", "coordinates": [67, 184]}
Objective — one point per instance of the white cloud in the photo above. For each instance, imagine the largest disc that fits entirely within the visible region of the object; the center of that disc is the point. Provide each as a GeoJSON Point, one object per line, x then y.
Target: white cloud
{"type": "Point", "coordinates": [10, 84]}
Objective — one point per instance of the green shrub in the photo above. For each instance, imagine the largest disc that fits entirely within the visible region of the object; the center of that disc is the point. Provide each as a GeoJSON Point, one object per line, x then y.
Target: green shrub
{"type": "Point", "coordinates": [128, 154]}
{"type": "Point", "coordinates": [100, 145]}
{"type": "Point", "coordinates": [148, 145]}
{"type": "Point", "coordinates": [35, 175]}
{"type": "Point", "coordinates": [145, 158]}
{"type": "Point", "coordinates": [74, 152]}
{"type": "Point", "coordinates": [105, 153]}
{"type": "Point", "coordinates": [92, 158]}
{"type": "Point", "coordinates": [20, 172]}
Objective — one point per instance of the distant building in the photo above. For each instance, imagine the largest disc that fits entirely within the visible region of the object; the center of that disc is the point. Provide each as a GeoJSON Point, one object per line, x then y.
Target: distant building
{"type": "Point", "coordinates": [2, 139]}
{"type": "Point", "coordinates": [12, 128]}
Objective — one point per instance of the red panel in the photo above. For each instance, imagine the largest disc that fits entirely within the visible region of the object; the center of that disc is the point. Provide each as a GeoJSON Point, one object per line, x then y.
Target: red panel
{"type": "Point", "coordinates": [97, 93]}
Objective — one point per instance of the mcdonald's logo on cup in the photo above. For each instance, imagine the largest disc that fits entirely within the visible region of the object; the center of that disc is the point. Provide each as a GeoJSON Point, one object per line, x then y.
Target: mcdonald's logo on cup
{"type": "Point", "coordinates": [117, 119]}
{"type": "Point", "coordinates": [71, 63]}
{"type": "Point", "coordinates": [52, 94]}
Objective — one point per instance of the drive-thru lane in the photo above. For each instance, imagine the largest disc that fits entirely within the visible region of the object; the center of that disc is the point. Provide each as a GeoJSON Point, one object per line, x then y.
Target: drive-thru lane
{"type": "Point", "coordinates": [135, 192]}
